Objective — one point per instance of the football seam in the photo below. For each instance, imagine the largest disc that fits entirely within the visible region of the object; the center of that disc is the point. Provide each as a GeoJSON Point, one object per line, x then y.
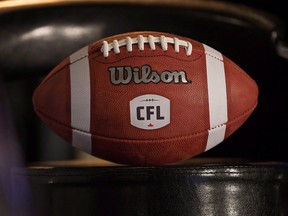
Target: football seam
{"type": "Point", "coordinates": [236, 118]}
{"type": "Point", "coordinates": [148, 56]}
{"type": "Point", "coordinates": [206, 53]}
{"type": "Point", "coordinates": [76, 60]}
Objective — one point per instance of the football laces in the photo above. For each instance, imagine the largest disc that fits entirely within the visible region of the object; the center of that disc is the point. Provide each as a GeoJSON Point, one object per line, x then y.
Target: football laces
{"type": "Point", "coordinates": [141, 41]}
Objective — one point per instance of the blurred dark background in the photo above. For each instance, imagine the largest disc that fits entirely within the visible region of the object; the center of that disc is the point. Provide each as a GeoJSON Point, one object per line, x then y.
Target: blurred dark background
{"type": "Point", "coordinates": [277, 7]}
{"type": "Point", "coordinates": [249, 43]}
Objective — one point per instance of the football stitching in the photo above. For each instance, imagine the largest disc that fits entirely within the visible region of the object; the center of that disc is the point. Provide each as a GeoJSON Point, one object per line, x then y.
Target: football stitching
{"type": "Point", "coordinates": [206, 53]}
{"type": "Point", "coordinates": [148, 56]}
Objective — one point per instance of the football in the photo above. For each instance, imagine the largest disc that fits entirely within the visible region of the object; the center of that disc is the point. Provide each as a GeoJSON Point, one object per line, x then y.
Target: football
{"type": "Point", "coordinates": [145, 98]}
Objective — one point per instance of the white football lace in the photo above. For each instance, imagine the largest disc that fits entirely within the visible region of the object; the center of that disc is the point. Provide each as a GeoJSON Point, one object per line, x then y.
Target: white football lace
{"type": "Point", "coordinates": [141, 40]}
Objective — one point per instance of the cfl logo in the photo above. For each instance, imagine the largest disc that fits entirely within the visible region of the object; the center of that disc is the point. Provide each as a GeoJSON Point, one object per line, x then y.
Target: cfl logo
{"type": "Point", "coordinates": [150, 112]}
{"type": "Point", "coordinates": [147, 112]}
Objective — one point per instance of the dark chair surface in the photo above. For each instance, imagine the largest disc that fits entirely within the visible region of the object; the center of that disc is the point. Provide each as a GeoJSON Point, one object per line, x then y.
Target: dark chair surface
{"type": "Point", "coordinates": [200, 187]}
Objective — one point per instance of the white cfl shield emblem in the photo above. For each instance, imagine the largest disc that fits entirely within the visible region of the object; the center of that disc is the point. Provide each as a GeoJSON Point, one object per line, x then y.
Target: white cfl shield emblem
{"type": "Point", "coordinates": [150, 112]}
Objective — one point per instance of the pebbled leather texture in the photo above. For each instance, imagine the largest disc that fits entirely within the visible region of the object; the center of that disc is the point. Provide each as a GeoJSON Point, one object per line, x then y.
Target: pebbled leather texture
{"type": "Point", "coordinates": [198, 188]}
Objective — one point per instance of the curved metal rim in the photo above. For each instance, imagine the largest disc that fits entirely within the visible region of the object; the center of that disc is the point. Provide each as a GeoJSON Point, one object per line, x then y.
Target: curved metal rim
{"type": "Point", "coordinates": [260, 18]}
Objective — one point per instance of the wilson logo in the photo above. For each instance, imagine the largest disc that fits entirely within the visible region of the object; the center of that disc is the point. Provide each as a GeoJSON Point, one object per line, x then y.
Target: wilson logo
{"type": "Point", "coordinates": [127, 74]}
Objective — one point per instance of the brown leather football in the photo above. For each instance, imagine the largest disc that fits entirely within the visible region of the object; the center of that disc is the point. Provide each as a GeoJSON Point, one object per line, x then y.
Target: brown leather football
{"type": "Point", "coordinates": [145, 98]}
